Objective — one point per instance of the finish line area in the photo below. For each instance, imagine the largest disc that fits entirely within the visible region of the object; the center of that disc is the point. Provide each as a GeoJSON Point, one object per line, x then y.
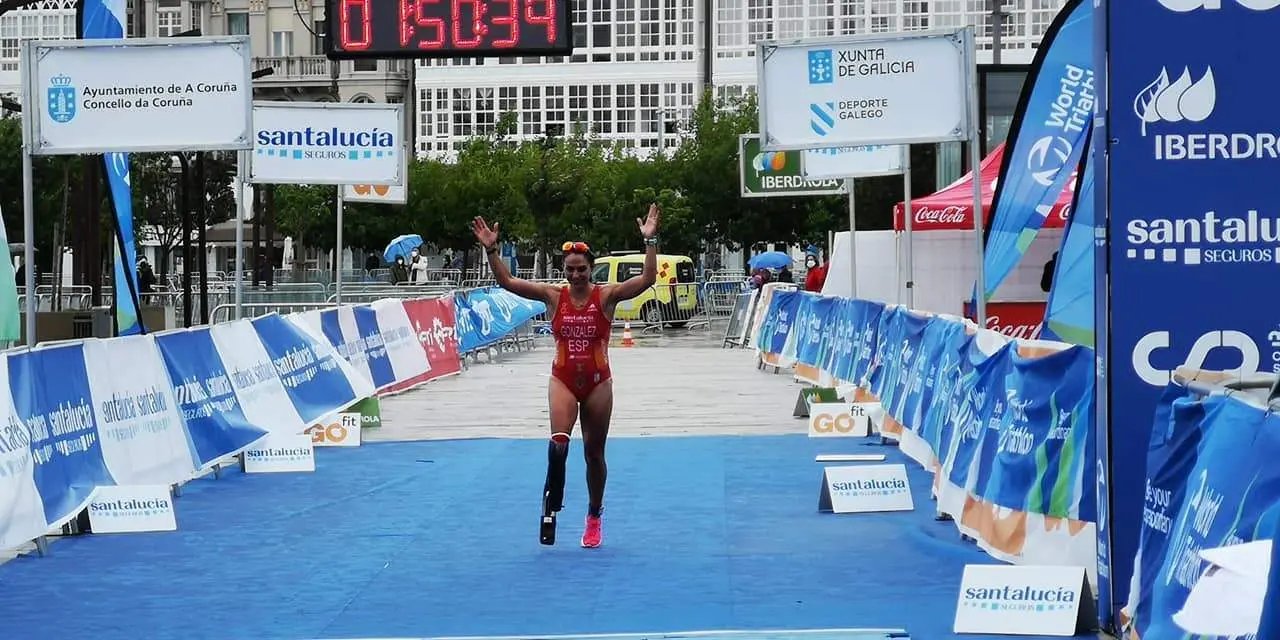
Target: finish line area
{"type": "Point", "coordinates": [710, 522]}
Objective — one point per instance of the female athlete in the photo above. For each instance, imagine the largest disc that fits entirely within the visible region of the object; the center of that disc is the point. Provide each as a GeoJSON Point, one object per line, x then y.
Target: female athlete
{"type": "Point", "coordinates": [582, 319]}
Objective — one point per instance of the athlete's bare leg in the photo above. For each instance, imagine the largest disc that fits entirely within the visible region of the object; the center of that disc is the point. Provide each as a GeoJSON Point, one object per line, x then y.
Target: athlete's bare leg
{"type": "Point", "coordinates": [564, 412]}
{"type": "Point", "coordinates": [597, 413]}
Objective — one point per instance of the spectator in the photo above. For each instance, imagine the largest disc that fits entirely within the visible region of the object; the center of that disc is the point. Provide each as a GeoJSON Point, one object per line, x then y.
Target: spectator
{"type": "Point", "coordinates": [399, 272]}
{"type": "Point", "coordinates": [1046, 278]}
{"type": "Point", "coordinates": [785, 275]}
{"type": "Point", "coordinates": [417, 268]}
{"type": "Point", "coordinates": [146, 277]}
{"type": "Point", "coordinates": [815, 273]}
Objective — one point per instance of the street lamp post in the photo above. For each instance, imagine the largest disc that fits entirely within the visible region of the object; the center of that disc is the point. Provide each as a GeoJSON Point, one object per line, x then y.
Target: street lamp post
{"type": "Point", "coordinates": [184, 207]}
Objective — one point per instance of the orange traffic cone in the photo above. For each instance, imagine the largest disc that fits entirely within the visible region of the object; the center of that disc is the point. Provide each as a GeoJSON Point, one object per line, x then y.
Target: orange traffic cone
{"type": "Point", "coordinates": [627, 340]}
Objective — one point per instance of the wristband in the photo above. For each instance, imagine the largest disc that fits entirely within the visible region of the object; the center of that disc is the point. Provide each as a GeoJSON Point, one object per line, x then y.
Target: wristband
{"type": "Point", "coordinates": [651, 242]}
{"type": "Point", "coordinates": [491, 250]}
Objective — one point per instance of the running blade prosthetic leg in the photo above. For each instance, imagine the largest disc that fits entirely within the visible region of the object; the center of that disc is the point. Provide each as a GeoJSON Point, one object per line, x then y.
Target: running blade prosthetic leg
{"type": "Point", "coordinates": [553, 490]}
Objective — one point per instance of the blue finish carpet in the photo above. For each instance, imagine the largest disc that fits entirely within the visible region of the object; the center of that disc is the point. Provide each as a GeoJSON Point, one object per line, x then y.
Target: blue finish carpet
{"type": "Point", "coordinates": [441, 539]}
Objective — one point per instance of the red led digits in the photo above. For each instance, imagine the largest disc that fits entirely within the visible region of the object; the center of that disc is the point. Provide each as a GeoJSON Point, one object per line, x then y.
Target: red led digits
{"type": "Point", "coordinates": [365, 23]}
{"type": "Point", "coordinates": [511, 21]}
{"type": "Point", "coordinates": [413, 17]}
{"type": "Point", "coordinates": [477, 24]}
{"type": "Point", "coordinates": [547, 19]}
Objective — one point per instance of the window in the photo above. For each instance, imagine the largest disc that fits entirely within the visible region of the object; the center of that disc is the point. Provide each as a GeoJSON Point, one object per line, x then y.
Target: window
{"type": "Point", "coordinates": [168, 18]}
{"type": "Point", "coordinates": [317, 45]}
{"type": "Point", "coordinates": [237, 23]}
{"type": "Point", "coordinates": [600, 274]}
{"type": "Point", "coordinates": [629, 270]}
{"type": "Point", "coordinates": [282, 44]}
{"type": "Point", "coordinates": [365, 64]}
{"type": "Point", "coordinates": [684, 272]}
{"type": "Point", "coordinates": [196, 15]}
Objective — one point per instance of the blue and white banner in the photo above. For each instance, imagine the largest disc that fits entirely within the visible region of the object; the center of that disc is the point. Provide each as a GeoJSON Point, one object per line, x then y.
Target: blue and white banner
{"type": "Point", "coordinates": [1233, 482]}
{"type": "Point", "coordinates": [485, 316]}
{"type": "Point", "coordinates": [50, 389]}
{"type": "Point", "coordinates": [1192, 217]}
{"type": "Point", "coordinates": [1175, 441]}
{"type": "Point", "coordinates": [1046, 140]}
{"type": "Point", "coordinates": [106, 19]}
{"type": "Point", "coordinates": [214, 419]}
{"type": "Point", "coordinates": [70, 422]}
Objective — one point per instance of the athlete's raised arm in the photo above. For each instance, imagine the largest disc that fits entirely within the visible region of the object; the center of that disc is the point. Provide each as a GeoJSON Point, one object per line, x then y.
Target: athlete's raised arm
{"type": "Point", "coordinates": [488, 238]}
{"type": "Point", "coordinates": [636, 285]}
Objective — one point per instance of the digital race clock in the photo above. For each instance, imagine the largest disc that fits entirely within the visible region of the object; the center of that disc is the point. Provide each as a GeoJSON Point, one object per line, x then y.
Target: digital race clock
{"type": "Point", "coordinates": [447, 28]}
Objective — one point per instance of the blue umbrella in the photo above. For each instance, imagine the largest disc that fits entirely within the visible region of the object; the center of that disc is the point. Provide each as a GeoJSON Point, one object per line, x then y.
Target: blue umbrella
{"type": "Point", "coordinates": [770, 260]}
{"type": "Point", "coordinates": [401, 246]}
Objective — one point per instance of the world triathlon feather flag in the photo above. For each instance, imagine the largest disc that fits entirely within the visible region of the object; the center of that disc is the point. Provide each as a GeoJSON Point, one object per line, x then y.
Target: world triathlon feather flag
{"type": "Point", "coordinates": [105, 19]}
{"type": "Point", "coordinates": [1054, 114]}
{"type": "Point", "coordinates": [1068, 315]}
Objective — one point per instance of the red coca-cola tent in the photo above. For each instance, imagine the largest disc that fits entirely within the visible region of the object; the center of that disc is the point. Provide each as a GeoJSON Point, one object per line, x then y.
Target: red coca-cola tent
{"type": "Point", "coordinates": [952, 206]}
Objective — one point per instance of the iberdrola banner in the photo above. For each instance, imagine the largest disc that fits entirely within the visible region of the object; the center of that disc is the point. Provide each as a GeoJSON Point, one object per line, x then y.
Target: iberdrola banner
{"type": "Point", "coordinates": [105, 19]}
{"type": "Point", "coordinates": [1046, 140]}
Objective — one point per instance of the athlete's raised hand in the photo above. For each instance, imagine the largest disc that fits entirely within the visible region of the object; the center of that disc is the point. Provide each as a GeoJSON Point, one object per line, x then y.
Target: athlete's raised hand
{"type": "Point", "coordinates": [487, 237]}
{"type": "Point", "coordinates": [649, 226]}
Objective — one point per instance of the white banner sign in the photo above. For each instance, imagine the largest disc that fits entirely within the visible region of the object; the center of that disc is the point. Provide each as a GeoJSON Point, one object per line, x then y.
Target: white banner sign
{"type": "Point", "coordinates": [865, 488]}
{"type": "Point", "coordinates": [851, 162]}
{"type": "Point", "coordinates": [900, 88]}
{"type": "Point", "coordinates": [1023, 600]}
{"type": "Point", "coordinates": [376, 193]}
{"type": "Point", "coordinates": [327, 143]}
{"type": "Point", "coordinates": [132, 508]}
{"type": "Point", "coordinates": [281, 453]}
{"type": "Point", "coordinates": [146, 95]}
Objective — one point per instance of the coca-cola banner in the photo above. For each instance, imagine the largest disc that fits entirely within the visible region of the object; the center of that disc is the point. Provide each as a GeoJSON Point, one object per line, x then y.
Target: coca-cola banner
{"type": "Point", "coordinates": [951, 208]}
{"type": "Point", "coordinates": [434, 324]}
{"type": "Point", "coordinates": [1022, 320]}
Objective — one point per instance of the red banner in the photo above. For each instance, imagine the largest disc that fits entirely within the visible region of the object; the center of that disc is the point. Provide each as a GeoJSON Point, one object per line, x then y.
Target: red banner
{"type": "Point", "coordinates": [1022, 320]}
{"type": "Point", "coordinates": [433, 321]}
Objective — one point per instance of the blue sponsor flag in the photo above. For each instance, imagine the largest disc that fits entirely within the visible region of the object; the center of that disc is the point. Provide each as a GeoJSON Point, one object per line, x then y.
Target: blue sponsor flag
{"type": "Point", "coordinates": [210, 409]}
{"type": "Point", "coordinates": [1054, 114]}
{"type": "Point", "coordinates": [105, 19]}
{"type": "Point", "coordinates": [1069, 314]}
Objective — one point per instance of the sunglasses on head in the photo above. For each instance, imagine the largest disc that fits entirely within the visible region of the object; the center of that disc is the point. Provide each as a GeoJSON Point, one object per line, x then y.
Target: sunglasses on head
{"type": "Point", "coordinates": [575, 247]}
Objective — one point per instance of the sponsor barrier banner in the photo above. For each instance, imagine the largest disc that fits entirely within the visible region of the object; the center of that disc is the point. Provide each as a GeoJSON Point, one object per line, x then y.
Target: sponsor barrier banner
{"type": "Point", "coordinates": [485, 316]}
{"type": "Point", "coordinates": [69, 423]}
{"type": "Point", "coordinates": [1006, 426]}
{"type": "Point", "coordinates": [215, 420]}
{"type": "Point", "coordinates": [1232, 483]}
{"type": "Point", "coordinates": [432, 321]}
{"type": "Point", "coordinates": [1184, 111]}
{"type": "Point", "coordinates": [1175, 440]}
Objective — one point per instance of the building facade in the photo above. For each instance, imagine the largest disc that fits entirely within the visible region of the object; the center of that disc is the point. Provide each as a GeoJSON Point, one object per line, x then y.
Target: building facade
{"type": "Point", "coordinates": [286, 35]}
{"type": "Point", "coordinates": [639, 65]}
